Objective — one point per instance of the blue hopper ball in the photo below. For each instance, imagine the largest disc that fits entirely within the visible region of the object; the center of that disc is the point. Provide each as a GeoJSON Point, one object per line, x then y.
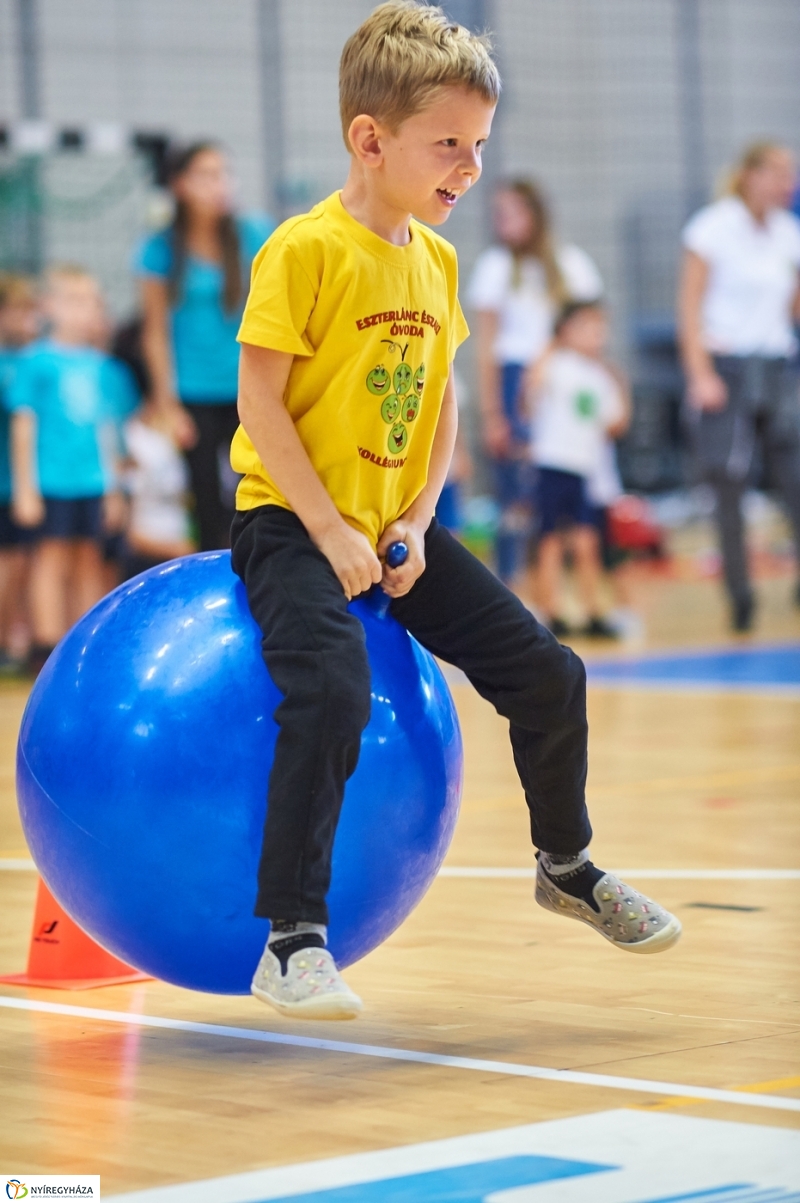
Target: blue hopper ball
{"type": "Point", "coordinates": [142, 768]}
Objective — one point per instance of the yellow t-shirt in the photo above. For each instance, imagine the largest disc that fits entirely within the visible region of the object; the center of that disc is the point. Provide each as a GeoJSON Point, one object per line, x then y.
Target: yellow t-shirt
{"type": "Point", "coordinates": [374, 328]}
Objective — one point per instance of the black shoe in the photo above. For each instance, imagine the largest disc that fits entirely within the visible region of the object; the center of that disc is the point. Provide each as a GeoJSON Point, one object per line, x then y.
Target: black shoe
{"type": "Point", "coordinates": [598, 628]}
{"type": "Point", "coordinates": [558, 627]}
{"type": "Point", "coordinates": [743, 611]}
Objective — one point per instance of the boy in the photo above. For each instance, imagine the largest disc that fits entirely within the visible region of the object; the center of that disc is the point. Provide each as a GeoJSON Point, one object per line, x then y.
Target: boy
{"type": "Point", "coordinates": [348, 423]}
{"type": "Point", "coordinates": [19, 320]}
{"type": "Point", "coordinates": [67, 400]}
{"type": "Point", "coordinates": [577, 406]}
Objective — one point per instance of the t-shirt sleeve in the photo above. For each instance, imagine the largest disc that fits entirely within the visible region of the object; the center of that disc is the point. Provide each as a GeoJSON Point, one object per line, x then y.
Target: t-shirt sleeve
{"type": "Point", "coordinates": [153, 256]}
{"type": "Point", "coordinates": [488, 287]}
{"type": "Point", "coordinates": [23, 387]}
{"type": "Point", "coordinates": [793, 238]}
{"type": "Point", "coordinates": [701, 233]}
{"type": "Point", "coordinates": [282, 298]}
{"type": "Point", "coordinates": [581, 276]}
{"type": "Point", "coordinates": [7, 367]}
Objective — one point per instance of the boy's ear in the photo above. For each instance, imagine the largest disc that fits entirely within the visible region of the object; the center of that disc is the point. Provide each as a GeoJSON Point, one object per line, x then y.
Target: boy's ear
{"type": "Point", "coordinates": [365, 136]}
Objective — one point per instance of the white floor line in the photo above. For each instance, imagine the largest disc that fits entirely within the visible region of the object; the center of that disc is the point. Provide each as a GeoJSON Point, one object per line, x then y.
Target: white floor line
{"type": "Point", "coordinates": [790, 693]}
{"type": "Point", "coordinates": [12, 864]}
{"type": "Point", "coordinates": [572, 1077]}
{"type": "Point", "coordinates": [654, 874]}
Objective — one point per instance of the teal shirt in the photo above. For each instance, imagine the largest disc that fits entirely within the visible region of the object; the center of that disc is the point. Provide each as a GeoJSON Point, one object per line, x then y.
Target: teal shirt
{"type": "Point", "coordinates": [80, 397]}
{"type": "Point", "coordinates": [204, 347]}
{"type": "Point", "coordinates": [8, 358]}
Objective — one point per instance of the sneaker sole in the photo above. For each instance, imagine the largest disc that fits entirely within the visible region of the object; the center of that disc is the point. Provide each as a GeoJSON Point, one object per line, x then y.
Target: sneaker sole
{"type": "Point", "coordinates": [326, 1007]}
{"type": "Point", "coordinates": [660, 942]}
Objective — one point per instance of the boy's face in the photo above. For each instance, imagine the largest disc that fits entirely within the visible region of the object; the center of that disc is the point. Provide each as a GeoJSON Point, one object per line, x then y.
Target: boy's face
{"type": "Point", "coordinates": [586, 332]}
{"type": "Point", "coordinates": [75, 310]}
{"type": "Point", "coordinates": [435, 156]}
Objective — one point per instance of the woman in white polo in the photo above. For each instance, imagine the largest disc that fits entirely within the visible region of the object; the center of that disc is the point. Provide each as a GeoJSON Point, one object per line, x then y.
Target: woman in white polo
{"type": "Point", "coordinates": [738, 302]}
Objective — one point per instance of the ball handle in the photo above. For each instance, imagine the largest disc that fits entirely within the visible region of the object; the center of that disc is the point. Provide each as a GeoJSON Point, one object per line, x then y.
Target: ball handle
{"type": "Point", "coordinates": [396, 554]}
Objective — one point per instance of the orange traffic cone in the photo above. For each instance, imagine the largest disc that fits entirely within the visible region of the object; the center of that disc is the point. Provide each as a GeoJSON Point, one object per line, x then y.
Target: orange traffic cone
{"type": "Point", "coordinates": [63, 957]}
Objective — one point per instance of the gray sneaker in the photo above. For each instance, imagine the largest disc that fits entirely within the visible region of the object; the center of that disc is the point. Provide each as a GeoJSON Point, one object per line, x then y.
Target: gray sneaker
{"type": "Point", "coordinates": [312, 987]}
{"type": "Point", "coordinates": [626, 918]}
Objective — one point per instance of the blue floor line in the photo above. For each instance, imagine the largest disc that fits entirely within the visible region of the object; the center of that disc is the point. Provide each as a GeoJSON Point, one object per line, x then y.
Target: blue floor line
{"type": "Point", "coordinates": [735, 668]}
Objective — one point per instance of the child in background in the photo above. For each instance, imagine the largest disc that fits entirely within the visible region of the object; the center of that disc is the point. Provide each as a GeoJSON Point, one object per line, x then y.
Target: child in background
{"type": "Point", "coordinates": [66, 399]}
{"type": "Point", "coordinates": [19, 322]}
{"type": "Point", "coordinates": [157, 483]}
{"type": "Point", "coordinates": [577, 405]}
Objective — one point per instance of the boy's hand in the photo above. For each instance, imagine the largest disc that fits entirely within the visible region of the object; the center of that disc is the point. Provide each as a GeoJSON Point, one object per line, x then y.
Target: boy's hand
{"type": "Point", "coordinates": [28, 508]}
{"type": "Point", "coordinates": [399, 581]}
{"type": "Point", "coordinates": [351, 557]}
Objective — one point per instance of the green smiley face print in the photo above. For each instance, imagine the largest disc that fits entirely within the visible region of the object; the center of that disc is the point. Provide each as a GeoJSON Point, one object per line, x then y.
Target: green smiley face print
{"type": "Point", "coordinates": [398, 438]}
{"type": "Point", "coordinates": [390, 408]}
{"type": "Point", "coordinates": [419, 379]}
{"type": "Point", "coordinates": [410, 407]}
{"type": "Point", "coordinates": [402, 379]}
{"type": "Point", "coordinates": [379, 381]}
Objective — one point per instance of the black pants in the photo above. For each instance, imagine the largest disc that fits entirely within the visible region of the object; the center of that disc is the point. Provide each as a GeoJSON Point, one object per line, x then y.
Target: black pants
{"type": "Point", "coordinates": [315, 651]}
{"type": "Point", "coordinates": [762, 415]}
{"type": "Point", "coordinates": [216, 425]}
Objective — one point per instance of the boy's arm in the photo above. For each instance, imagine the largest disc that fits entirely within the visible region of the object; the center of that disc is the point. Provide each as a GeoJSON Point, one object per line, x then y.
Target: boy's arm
{"type": "Point", "coordinates": [620, 423]}
{"type": "Point", "coordinates": [27, 504]}
{"type": "Point", "coordinates": [411, 526]}
{"type": "Point", "coordinates": [263, 375]}
{"type": "Point", "coordinates": [534, 378]}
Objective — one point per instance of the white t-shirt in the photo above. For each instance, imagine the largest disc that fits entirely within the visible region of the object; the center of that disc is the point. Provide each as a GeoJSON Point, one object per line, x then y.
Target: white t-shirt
{"type": "Point", "coordinates": [577, 402]}
{"type": "Point", "coordinates": [604, 486]}
{"type": "Point", "coordinates": [525, 311]}
{"type": "Point", "coordinates": [752, 280]}
{"type": "Point", "coordinates": [157, 484]}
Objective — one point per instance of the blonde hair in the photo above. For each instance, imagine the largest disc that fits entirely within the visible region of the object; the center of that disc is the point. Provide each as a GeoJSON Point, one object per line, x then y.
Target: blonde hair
{"type": "Point", "coordinates": [68, 271]}
{"type": "Point", "coordinates": [16, 289]}
{"type": "Point", "coordinates": [393, 65]}
{"type": "Point", "coordinates": [751, 158]}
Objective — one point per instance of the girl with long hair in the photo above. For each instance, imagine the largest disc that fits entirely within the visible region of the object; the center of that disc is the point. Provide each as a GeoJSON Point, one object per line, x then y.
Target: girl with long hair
{"type": "Point", "coordinates": [517, 288]}
{"type": "Point", "coordinates": [194, 280]}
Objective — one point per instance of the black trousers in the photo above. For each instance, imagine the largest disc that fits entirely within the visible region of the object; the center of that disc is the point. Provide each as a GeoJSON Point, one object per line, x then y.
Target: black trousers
{"type": "Point", "coordinates": [762, 416]}
{"type": "Point", "coordinates": [216, 425]}
{"type": "Point", "coordinates": [315, 651]}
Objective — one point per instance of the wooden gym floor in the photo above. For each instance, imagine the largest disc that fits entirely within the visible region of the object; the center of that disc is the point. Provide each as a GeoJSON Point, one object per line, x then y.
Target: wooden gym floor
{"type": "Point", "coordinates": [681, 779]}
